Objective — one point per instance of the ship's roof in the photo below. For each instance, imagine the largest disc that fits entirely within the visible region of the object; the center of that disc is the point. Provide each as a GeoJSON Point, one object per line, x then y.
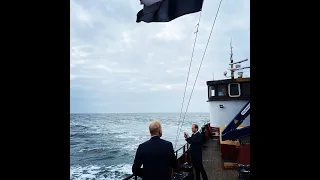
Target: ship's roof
{"type": "Point", "coordinates": [227, 81]}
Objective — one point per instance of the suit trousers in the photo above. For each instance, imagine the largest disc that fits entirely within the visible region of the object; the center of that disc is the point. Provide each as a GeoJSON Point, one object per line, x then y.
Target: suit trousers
{"type": "Point", "coordinates": [200, 169]}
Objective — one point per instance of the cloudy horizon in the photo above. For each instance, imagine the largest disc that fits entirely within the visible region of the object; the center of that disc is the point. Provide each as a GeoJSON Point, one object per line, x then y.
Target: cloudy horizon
{"type": "Point", "coordinates": [120, 66]}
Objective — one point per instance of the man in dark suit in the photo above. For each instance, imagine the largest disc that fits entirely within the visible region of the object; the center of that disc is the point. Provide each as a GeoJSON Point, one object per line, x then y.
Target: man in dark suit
{"type": "Point", "coordinates": [156, 155]}
{"type": "Point", "coordinates": [196, 142]}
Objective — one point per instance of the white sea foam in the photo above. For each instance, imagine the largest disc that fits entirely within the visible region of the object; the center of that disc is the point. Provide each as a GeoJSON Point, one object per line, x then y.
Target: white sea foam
{"type": "Point", "coordinates": [83, 173]}
{"type": "Point", "coordinates": [120, 134]}
{"type": "Point", "coordinates": [92, 149]}
{"type": "Point", "coordinates": [93, 172]}
{"type": "Point", "coordinates": [131, 147]}
{"type": "Point", "coordinates": [123, 168]}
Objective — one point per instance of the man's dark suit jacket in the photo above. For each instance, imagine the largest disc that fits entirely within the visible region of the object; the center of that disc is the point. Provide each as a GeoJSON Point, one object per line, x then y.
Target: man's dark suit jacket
{"type": "Point", "coordinates": [196, 142]}
{"type": "Point", "coordinates": [157, 156]}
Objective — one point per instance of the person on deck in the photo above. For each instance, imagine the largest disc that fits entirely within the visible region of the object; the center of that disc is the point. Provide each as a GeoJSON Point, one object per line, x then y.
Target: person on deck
{"type": "Point", "coordinates": [156, 155]}
{"type": "Point", "coordinates": [196, 142]}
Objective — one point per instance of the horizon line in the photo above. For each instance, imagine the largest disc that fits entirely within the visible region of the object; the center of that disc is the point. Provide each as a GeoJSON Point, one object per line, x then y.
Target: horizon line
{"type": "Point", "coordinates": [127, 112]}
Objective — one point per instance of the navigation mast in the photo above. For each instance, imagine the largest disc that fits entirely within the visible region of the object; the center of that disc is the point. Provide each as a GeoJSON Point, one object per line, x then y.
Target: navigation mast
{"type": "Point", "coordinates": [231, 61]}
{"type": "Point", "coordinates": [237, 64]}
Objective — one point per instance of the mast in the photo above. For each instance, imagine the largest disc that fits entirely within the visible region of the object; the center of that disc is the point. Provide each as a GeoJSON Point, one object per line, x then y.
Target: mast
{"type": "Point", "coordinates": [237, 65]}
{"type": "Point", "coordinates": [231, 61]}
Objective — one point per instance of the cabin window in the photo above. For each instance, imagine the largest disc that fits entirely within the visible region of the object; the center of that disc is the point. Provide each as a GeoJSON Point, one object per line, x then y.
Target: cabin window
{"type": "Point", "coordinates": [222, 90]}
{"type": "Point", "coordinates": [234, 90]}
{"type": "Point", "coordinates": [211, 91]}
{"type": "Point", "coordinates": [245, 89]}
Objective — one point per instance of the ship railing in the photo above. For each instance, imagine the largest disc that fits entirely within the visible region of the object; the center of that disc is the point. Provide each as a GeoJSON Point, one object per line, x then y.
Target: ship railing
{"type": "Point", "coordinates": [182, 159]}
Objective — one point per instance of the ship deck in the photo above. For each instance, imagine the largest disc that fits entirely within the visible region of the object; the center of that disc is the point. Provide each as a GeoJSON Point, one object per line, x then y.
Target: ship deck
{"type": "Point", "coordinates": [212, 162]}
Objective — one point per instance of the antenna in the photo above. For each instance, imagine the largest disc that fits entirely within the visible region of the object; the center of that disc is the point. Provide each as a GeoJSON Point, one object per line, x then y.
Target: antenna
{"type": "Point", "coordinates": [239, 61]}
{"type": "Point", "coordinates": [212, 76]}
{"type": "Point", "coordinates": [231, 60]}
{"type": "Point", "coordinates": [237, 65]}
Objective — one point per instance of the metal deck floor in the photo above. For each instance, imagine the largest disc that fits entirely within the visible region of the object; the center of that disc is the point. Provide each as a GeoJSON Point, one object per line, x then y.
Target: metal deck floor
{"type": "Point", "coordinates": [212, 162]}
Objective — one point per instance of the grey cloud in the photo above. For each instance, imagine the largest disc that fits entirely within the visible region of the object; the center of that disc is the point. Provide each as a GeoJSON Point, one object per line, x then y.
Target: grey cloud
{"type": "Point", "coordinates": [157, 54]}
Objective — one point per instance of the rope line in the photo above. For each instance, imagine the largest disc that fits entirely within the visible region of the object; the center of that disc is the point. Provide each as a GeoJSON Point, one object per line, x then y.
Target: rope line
{"type": "Point", "coordinates": [204, 53]}
{"type": "Point", "coordinates": [185, 88]}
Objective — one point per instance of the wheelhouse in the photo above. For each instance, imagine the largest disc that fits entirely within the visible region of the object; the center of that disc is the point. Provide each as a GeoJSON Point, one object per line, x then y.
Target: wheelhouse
{"type": "Point", "coordinates": [229, 89]}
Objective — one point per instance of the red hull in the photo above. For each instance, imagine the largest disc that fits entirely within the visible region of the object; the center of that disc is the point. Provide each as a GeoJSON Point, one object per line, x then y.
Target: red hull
{"type": "Point", "coordinates": [244, 154]}
{"type": "Point", "coordinates": [229, 152]}
{"type": "Point", "coordinates": [232, 151]}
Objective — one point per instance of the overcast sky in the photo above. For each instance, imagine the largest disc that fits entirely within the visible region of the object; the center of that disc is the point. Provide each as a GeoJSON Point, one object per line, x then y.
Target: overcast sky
{"type": "Point", "coordinates": [119, 66]}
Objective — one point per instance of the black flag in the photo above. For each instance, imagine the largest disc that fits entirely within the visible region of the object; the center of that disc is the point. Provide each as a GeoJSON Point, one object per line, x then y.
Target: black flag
{"type": "Point", "coordinates": [168, 10]}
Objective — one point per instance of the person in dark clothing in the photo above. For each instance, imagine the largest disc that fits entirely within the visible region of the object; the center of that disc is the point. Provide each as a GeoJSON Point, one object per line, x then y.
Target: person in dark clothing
{"type": "Point", "coordinates": [196, 142]}
{"type": "Point", "coordinates": [155, 155]}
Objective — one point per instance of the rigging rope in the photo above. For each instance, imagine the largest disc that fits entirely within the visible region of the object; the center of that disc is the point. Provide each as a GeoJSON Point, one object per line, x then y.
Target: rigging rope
{"type": "Point", "coordinates": [185, 88]}
{"type": "Point", "coordinates": [197, 72]}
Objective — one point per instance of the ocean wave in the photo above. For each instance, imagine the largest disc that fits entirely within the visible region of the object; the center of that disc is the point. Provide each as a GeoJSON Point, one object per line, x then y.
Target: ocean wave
{"type": "Point", "coordinates": [131, 147]}
{"type": "Point", "coordinates": [101, 149]}
{"type": "Point", "coordinates": [78, 126]}
{"type": "Point", "coordinates": [100, 140]}
{"type": "Point", "coordinates": [83, 173]}
{"type": "Point", "coordinates": [83, 135]}
{"type": "Point", "coordinates": [95, 172]}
